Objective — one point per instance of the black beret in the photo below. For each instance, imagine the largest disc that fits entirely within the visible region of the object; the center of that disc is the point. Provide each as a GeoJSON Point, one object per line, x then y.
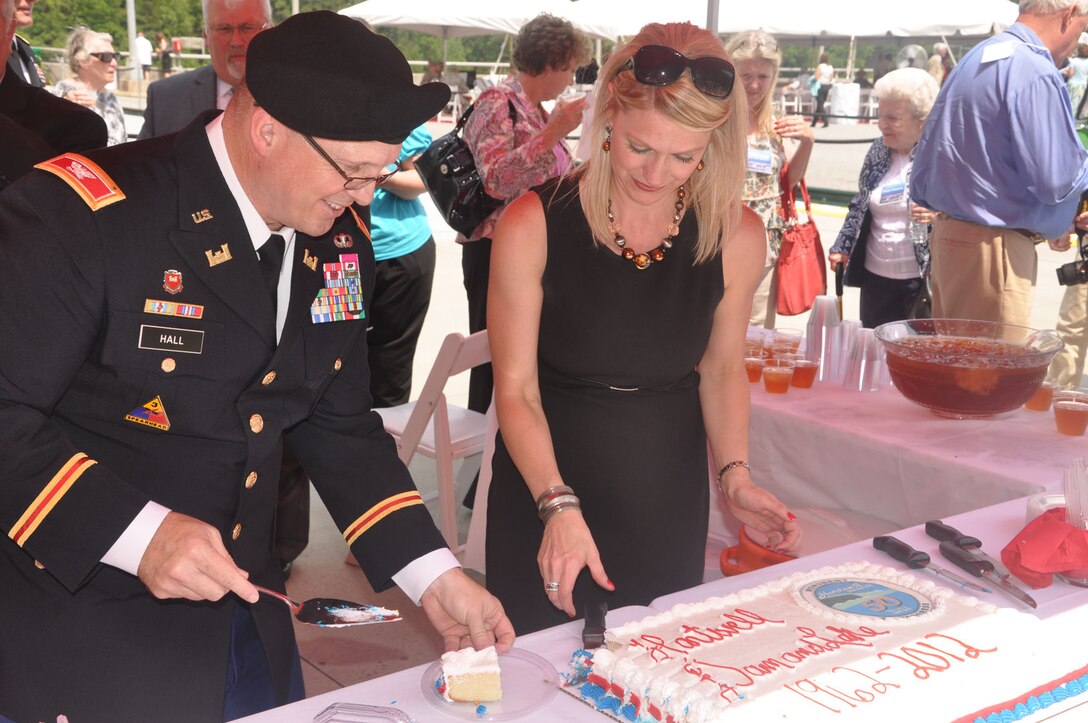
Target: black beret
{"type": "Point", "coordinates": [330, 76]}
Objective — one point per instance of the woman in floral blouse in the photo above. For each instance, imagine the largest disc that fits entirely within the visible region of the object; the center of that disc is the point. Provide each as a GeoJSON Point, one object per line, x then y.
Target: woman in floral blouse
{"type": "Point", "coordinates": [518, 145]}
{"type": "Point", "coordinates": [884, 240]}
{"type": "Point", "coordinates": [773, 143]}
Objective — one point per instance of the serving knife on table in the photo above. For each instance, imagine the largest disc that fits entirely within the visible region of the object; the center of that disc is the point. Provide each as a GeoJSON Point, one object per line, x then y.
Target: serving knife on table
{"type": "Point", "coordinates": [972, 563]}
{"type": "Point", "coordinates": [942, 532]}
{"type": "Point", "coordinates": [915, 559]}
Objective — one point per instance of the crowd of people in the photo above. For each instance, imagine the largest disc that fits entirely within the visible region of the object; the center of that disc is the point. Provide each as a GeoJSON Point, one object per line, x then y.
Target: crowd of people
{"type": "Point", "coordinates": [227, 302]}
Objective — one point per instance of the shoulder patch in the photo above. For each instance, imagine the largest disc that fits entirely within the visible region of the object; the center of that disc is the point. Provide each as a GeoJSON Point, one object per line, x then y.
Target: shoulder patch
{"type": "Point", "coordinates": [86, 178]}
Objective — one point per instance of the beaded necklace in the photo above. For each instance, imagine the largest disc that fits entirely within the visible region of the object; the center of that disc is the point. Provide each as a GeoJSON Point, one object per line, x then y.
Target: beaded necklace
{"type": "Point", "coordinates": [657, 255]}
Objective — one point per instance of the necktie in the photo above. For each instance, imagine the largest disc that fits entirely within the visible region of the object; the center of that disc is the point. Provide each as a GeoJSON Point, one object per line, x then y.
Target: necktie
{"type": "Point", "coordinates": [270, 259]}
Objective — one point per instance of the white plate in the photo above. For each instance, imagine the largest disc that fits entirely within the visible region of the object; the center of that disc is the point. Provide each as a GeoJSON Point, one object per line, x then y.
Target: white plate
{"type": "Point", "coordinates": [528, 683]}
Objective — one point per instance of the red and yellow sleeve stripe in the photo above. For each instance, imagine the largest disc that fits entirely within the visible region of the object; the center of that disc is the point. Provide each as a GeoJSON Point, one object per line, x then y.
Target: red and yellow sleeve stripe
{"type": "Point", "coordinates": [379, 512]}
{"type": "Point", "coordinates": [48, 498]}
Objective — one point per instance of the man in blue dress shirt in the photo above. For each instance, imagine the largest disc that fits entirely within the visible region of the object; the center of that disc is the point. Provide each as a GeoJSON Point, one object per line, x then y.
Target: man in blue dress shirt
{"type": "Point", "coordinates": [1000, 159]}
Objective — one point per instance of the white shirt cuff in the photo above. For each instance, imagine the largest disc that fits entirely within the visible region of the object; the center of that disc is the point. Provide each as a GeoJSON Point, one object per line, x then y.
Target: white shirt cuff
{"type": "Point", "coordinates": [415, 577]}
{"type": "Point", "coordinates": [129, 549]}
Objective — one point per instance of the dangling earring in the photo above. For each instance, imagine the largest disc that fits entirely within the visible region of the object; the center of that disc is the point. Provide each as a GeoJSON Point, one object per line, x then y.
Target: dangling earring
{"type": "Point", "coordinates": [701, 165]}
{"type": "Point", "coordinates": [607, 145]}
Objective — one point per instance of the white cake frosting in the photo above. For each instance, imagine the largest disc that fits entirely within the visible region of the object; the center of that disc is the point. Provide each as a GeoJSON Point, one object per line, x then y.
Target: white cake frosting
{"type": "Point", "coordinates": [470, 660]}
{"type": "Point", "coordinates": [851, 642]}
{"type": "Point", "coordinates": [467, 661]}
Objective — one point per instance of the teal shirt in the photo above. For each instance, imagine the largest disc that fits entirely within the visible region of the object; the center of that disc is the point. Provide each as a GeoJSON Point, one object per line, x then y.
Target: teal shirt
{"type": "Point", "coordinates": [399, 227]}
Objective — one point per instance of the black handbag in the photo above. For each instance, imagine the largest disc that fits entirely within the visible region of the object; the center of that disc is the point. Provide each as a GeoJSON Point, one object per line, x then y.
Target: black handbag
{"type": "Point", "coordinates": [449, 172]}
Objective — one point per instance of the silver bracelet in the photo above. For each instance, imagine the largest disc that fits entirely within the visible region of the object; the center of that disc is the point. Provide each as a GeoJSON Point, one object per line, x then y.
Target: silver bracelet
{"type": "Point", "coordinates": [552, 511]}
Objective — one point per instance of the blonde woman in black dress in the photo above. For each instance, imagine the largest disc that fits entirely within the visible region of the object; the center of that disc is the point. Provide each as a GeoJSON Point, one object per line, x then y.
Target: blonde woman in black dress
{"type": "Point", "coordinates": [619, 301]}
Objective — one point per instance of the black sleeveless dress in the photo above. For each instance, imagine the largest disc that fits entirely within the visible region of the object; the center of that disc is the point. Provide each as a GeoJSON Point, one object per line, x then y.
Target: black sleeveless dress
{"type": "Point", "coordinates": [635, 454]}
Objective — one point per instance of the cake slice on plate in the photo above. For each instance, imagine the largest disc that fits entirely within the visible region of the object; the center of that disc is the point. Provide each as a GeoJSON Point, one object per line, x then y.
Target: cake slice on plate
{"type": "Point", "coordinates": [471, 676]}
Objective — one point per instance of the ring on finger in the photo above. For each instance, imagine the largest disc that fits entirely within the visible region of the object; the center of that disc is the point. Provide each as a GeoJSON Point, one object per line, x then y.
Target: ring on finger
{"type": "Point", "coordinates": [551, 587]}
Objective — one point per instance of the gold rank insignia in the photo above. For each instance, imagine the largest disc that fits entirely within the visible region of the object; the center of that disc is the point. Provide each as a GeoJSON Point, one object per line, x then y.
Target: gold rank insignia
{"type": "Point", "coordinates": [202, 215]}
{"type": "Point", "coordinates": [152, 414]}
{"type": "Point", "coordinates": [218, 257]}
{"type": "Point", "coordinates": [310, 261]}
{"type": "Point", "coordinates": [86, 178]}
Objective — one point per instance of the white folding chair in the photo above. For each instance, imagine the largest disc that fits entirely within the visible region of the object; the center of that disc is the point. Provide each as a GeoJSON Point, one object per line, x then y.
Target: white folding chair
{"type": "Point", "coordinates": [441, 431]}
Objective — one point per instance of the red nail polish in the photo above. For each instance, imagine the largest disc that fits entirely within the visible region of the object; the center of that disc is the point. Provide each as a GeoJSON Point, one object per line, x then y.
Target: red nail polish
{"type": "Point", "coordinates": [791, 516]}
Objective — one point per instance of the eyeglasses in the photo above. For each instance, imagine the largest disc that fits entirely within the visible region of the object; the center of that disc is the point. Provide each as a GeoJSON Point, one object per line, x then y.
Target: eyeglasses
{"type": "Point", "coordinates": [245, 29]}
{"type": "Point", "coordinates": [106, 57]}
{"type": "Point", "coordinates": [753, 43]}
{"type": "Point", "coordinates": [351, 183]}
{"type": "Point", "coordinates": [658, 65]}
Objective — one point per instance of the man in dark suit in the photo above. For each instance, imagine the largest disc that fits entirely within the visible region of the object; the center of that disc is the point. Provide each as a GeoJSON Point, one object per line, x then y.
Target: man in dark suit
{"type": "Point", "coordinates": [229, 25]}
{"type": "Point", "coordinates": [34, 123]}
{"type": "Point", "coordinates": [22, 63]}
{"type": "Point", "coordinates": [155, 357]}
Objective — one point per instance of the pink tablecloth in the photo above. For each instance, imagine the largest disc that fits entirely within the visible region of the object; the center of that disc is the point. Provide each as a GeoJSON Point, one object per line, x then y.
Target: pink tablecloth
{"type": "Point", "coordinates": [878, 454]}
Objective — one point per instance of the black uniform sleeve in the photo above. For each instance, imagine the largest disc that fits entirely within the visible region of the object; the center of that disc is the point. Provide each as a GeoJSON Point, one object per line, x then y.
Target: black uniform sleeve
{"type": "Point", "coordinates": [56, 502]}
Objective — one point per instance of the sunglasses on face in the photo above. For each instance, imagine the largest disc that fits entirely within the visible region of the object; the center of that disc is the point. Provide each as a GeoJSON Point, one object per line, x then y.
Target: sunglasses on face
{"type": "Point", "coordinates": [106, 57]}
{"type": "Point", "coordinates": [658, 65]}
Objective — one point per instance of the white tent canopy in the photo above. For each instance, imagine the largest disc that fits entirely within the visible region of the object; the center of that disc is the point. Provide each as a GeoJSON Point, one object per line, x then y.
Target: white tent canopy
{"type": "Point", "coordinates": [786, 19]}
{"type": "Point", "coordinates": [800, 19]}
{"type": "Point", "coordinates": [469, 17]}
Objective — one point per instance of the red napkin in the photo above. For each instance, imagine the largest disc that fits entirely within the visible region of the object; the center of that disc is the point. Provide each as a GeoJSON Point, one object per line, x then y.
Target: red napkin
{"type": "Point", "coordinates": [1048, 544]}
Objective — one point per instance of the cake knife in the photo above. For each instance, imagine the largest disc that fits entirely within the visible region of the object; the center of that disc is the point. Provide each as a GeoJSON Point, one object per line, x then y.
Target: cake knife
{"type": "Point", "coordinates": [940, 531]}
{"type": "Point", "coordinates": [329, 612]}
{"type": "Point", "coordinates": [915, 559]}
{"type": "Point", "coordinates": [967, 560]}
{"type": "Point", "coordinates": [593, 632]}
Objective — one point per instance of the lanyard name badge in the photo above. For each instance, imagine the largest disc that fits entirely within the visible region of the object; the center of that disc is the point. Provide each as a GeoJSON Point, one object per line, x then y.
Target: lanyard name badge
{"type": "Point", "coordinates": [760, 160]}
{"type": "Point", "coordinates": [893, 193]}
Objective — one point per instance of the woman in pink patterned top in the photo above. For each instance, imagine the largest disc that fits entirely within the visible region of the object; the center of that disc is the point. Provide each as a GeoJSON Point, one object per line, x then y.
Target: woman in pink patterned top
{"type": "Point", "coordinates": [518, 145]}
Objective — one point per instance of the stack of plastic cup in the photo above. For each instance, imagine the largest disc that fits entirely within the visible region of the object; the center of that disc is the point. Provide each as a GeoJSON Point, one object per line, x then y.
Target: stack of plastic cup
{"type": "Point", "coordinates": [865, 366]}
{"type": "Point", "coordinates": [821, 334]}
{"type": "Point", "coordinates": [842, 341]}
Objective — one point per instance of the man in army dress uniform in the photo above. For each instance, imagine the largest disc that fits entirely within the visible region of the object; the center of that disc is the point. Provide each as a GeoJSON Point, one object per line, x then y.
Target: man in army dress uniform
{"type": "Point", "coordinates": [153, 357]}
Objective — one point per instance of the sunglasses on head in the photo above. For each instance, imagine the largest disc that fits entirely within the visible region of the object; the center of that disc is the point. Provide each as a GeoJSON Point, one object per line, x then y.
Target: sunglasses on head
{"type": "Point", "coordinates": [658, 65]}
{"type": "Point", "coordinates": [106, 57]}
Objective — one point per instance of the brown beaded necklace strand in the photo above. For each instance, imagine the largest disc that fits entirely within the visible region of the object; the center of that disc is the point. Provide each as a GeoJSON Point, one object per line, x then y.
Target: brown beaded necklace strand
{"type": "Point", "coordinates": [657, 255]}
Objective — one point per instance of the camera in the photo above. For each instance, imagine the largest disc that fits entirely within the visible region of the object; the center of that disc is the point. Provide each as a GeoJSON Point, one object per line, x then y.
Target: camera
{"type": "Point", "coordinates": [1073, 273]}
{"type": "Point", "coordinates": [1076, 272]}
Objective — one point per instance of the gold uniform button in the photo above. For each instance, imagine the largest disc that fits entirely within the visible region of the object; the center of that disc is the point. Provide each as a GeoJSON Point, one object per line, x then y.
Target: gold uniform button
{"type": "Point", "coordinates": [236, 532]}
{"type": "Point", "coordinates": [251, 479]}
{"type": "Point", "coordinates": [169, 365]}
{"type": "Point", "coordinates": [39, 565]}
{"type": "Point", "coordinates": [268, 378]}
{"type": "Point", "coordinates": [336, 365]}
{"type": "Point", "coordinates": [256, 423]}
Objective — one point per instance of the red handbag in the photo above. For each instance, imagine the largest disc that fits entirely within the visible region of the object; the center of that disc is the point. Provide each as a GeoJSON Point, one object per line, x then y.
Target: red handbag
{"type": "Point", "coordinates": [802, 269]}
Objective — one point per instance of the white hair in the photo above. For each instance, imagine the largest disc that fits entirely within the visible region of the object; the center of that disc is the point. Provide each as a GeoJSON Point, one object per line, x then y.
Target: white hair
{"type": "Point", "coordinates": [912, 85]}
{"type": "Point", "coordinates": [76, 47]}
{"type": "Point", "coordinates": [266, 7]}
{"type": "Point", "coordinates": [1045, 7]}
